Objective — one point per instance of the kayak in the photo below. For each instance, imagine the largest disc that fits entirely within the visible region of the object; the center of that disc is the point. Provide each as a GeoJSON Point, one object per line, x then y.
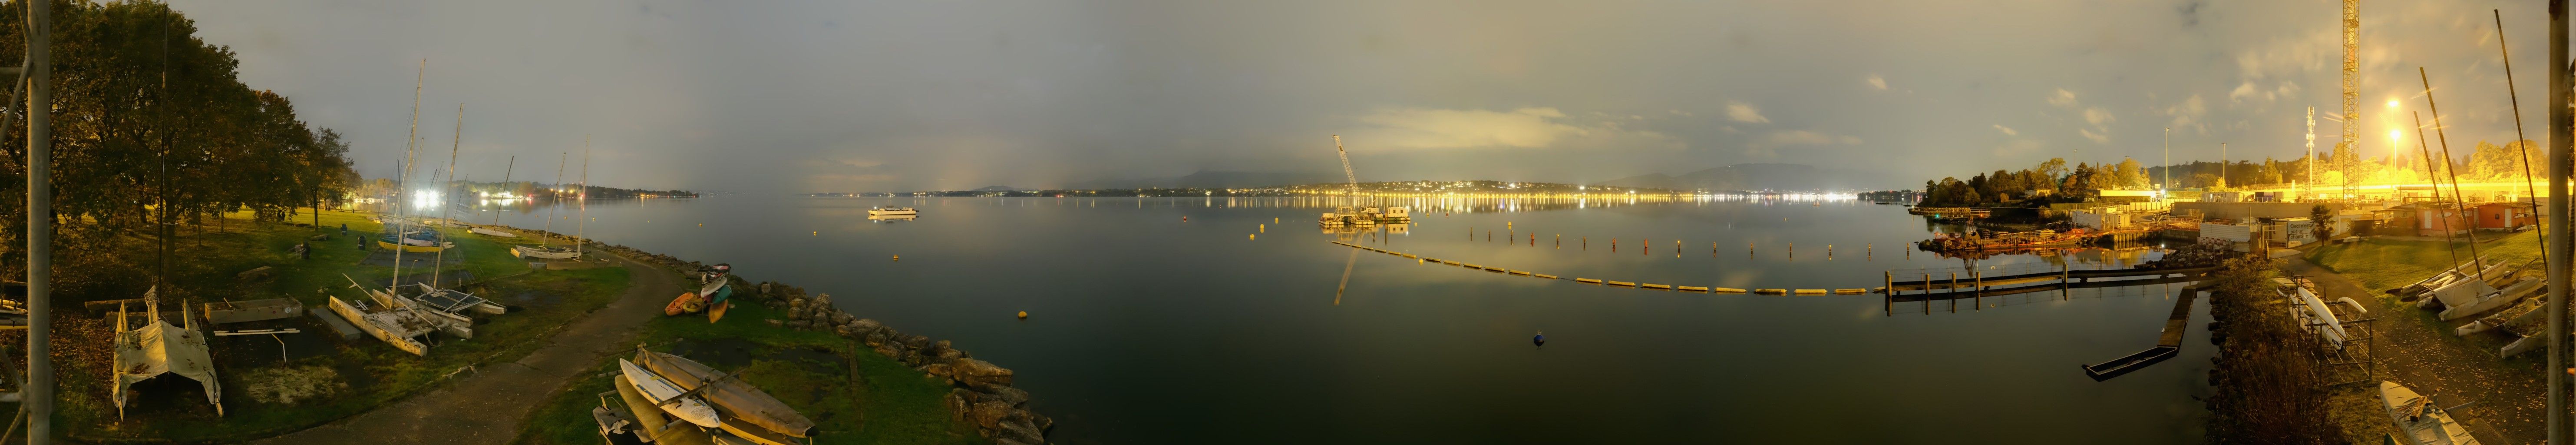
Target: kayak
{"type": "Point", "coordinates": [686, 304]}
{"type": "Point", "coordinates": [716, 312]}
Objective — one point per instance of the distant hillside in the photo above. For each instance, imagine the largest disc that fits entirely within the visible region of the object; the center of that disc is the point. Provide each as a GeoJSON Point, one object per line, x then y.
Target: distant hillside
{"type": "Point", "coordinates": [994, 188]}
{"type": "Point", "coordinates": [1214, 179]}
{"type": "Point", "coordinates": [1758, 177]}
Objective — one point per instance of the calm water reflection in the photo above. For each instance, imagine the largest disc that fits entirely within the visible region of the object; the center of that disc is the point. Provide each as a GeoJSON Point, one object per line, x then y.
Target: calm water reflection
{"type": "Point", "coordinates": [1144, 328]}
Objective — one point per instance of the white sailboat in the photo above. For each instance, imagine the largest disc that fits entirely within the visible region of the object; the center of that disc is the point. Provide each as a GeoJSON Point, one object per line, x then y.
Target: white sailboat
{"type": "Point", "coordinates": [545, 249]}
{"type": "Point", "coordinates": [662, 392]}
{"type": "Point", "coordinates": [2423, 423]}
{"type": "Point", "coordinates": [492, 231]}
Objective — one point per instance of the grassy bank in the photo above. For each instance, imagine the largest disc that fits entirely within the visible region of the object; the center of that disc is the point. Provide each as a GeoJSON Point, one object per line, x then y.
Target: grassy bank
{"type": "Point", "coordinates": [275, 385]}
{"type": "Point", "coordinates": [854, 396]}
{"type": "Point", "coordinates": [2380, 264]}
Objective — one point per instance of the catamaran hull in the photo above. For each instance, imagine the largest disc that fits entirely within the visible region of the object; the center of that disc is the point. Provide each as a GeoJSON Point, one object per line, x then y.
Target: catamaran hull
{"type": "Point", "coordinates": [543, 253]}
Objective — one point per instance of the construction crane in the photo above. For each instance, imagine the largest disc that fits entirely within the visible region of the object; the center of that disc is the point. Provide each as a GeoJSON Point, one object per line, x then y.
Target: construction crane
{"type": "Point", "coordinates": [1346, 166]}
{"type": "Point", "coordinates": [2351, 84]}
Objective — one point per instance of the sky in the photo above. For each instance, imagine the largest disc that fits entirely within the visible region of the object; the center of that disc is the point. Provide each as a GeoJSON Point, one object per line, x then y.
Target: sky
{"type": "Point", "coordinates": [847, 96]}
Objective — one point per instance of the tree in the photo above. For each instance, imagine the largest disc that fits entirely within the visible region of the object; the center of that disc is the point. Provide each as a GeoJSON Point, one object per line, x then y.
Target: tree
{"type": "Point", "coordinates": [2317, 216]}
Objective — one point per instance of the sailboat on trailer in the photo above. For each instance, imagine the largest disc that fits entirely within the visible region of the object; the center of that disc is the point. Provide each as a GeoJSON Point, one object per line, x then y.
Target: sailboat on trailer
{"type": "Point", "coordinates": [545, 249]}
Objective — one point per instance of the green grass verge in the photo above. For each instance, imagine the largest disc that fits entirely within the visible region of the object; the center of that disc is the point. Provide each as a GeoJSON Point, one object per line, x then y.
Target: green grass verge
{"type": "Point", "coordinates": [349, 377]}
{"type": "Point", "coordinates": [874, 401]}
{"type": "Point", "coordinates": [2380, 264]}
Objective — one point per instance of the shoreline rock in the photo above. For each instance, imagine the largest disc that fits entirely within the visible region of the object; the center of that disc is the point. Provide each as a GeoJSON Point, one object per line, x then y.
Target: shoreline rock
{"type": "Point", "coordinates": [981, 394]}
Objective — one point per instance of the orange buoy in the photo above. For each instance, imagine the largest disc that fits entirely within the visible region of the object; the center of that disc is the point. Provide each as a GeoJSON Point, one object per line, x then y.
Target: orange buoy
{"type": "Point", "coordinates": [1024, 315]}
{"type": "Point", "coordinates": [898, 257]}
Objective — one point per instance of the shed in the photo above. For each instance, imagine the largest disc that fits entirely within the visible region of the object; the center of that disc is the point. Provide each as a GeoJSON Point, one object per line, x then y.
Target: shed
{"type": "Point", "coordinates": [2509, 216]}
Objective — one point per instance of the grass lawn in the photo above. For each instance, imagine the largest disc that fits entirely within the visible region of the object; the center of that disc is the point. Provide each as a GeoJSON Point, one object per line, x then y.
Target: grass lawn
{"type": "Point", "coordinates": [275, 385]}
{"type": "Point", "coordinates": [2382, 264]}
{"type": "Point", "coordinates": [853, 395]}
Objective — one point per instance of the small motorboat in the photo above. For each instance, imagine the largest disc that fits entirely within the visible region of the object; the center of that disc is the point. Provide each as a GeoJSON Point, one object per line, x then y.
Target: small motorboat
{"type": "Point", "coordinates": [891, 211]}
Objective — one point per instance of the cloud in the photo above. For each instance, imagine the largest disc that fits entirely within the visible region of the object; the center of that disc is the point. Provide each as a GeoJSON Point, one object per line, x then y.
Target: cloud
{"type": "Point", "coordinates": [1744, 112]}
{"type": "Point", "coordinates": [2062, 98]}
{"type": "Point", "coordinates": [1877, 82]}
{"type": "Point", "coordinates": [2188, 112]}
{"type": "Point", "coordinates": [2100, 118]}
{"type": "Point", "coordinates": [2008, 131]}
{"type": "Point", "coordinates": [1804, 137]}
{"type": "Point", "coordinates": [1532, 127]}
{"type": "Point", "coordinates": [1444, 128]}
{"type": "Point", "coordinates": [2097, 116]}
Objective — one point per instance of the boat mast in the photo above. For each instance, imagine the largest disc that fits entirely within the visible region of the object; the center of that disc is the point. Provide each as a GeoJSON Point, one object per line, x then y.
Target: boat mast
{"type": "Point", "coordinates": [439, 264]}
{"type": "Point", "coordinates": [579, 227]}
{"type": "Point", "coordinates": [506, 170]}
{"type": "Point", "coordinates": [410, 145]}
{"type": "Point", "coordinates": [557, 198]}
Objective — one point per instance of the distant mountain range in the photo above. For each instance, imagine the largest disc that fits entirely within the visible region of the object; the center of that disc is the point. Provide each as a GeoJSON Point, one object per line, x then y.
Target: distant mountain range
{"type": "Point", "coordinates": [1213, 179]}
{"type": "Point", "coordinates": [1784, 177]}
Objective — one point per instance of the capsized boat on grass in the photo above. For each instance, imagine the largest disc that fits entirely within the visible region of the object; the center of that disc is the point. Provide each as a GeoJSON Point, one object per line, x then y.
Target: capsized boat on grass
{"type": "Point", "coordinates": [2423, 423]}
{"type": "Point", "coordinates": [663, 393]}
{"type": "Point", "coordinates": [747, 410]}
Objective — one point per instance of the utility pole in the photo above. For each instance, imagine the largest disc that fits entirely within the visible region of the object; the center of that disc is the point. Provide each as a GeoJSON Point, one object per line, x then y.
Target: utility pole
{"type": "Point", "coordinates": [2222, 163]}
{"type": "Point", "coordinates": [2561, 148]}
{"type": "Point", "coordinates": [2312, 155]}
{"type": "Point", "coordinates": [2167, 180]}
{"type": "Point", "coordinates": [38, 397]}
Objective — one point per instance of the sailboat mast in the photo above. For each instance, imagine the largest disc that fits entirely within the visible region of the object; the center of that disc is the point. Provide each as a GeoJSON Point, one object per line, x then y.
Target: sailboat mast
{"type": "Point", "coordinates": [556, 198]}
{"type": "Point", "coordinates": [506, 170]}
{"type": "Point", "coordinates": [410, 145]}
{"type": "Point", "coordinates": [580, 235]}
{"type": "Point", "coordinates": [439, 264]}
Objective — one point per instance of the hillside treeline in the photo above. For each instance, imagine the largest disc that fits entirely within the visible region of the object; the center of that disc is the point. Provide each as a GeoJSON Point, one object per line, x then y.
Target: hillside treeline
{"type": "Point", "coordinates": [145, 113]}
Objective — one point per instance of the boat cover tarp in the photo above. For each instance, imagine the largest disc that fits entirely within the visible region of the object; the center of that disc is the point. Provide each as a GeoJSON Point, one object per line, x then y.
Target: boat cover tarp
{"type": "Point", "coordinates": [159, 348]}
{"type": "Point", "coordinates": [739, 400]}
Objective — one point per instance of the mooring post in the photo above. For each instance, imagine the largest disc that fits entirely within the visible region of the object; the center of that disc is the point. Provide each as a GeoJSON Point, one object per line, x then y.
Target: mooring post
{"type": "Point", "coordinates": [1979, 278]}
{"type": "Point", "coordinates": [1954, 288]}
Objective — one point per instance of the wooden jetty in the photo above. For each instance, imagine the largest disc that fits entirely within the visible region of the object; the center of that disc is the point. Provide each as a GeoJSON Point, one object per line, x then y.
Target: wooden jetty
{"type": "Point", "coordinates": [2168, 343]}
{"type": "Point", "coordinates": [1951, 212]}
{"type": "Point", "coordinates": [1978, 280]}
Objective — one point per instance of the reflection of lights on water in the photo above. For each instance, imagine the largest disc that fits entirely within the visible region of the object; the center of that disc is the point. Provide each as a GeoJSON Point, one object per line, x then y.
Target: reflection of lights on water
{"type": "Point", "coordinates": [425, 199]}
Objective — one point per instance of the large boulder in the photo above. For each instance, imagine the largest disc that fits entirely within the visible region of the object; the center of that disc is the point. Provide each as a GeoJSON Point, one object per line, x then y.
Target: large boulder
{"type": "Point", "coordinates": [1016, 428]}
{"type": "Point", "coordinates": [980, 374]}
{"type": "Point", "coordinates": [842, 318]}
{"type": "Point", "coordinates": [990, 414]}
{"type": "Point", "coordinates": [1016, 397]}
{"type": "Point", "coordinates": [915, 342]}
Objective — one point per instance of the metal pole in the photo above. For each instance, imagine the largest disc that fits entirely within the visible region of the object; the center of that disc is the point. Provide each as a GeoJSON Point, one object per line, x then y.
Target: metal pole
{"type": "Point", "coordinates": [2522, 146]}
{"type": "Point", "coordinates": [2447, 226]}
{"type": "Point", "coordinates": [2458, 200]}
{"type": "Point", "coordinates": [40, 224]}
{"type": "Point", "coordinates": [2560, 150]}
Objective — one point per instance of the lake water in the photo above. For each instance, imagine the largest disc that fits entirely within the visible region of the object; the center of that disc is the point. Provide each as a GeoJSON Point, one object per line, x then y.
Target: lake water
{"type": "Point", "coordinates": [1144, 328]}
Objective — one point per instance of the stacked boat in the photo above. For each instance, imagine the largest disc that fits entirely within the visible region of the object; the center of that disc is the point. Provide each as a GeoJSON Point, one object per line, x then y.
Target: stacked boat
{"type": "Point", "coordinates": [2423, 423]}
{"type": "Point", "coordinates": [671, 399]}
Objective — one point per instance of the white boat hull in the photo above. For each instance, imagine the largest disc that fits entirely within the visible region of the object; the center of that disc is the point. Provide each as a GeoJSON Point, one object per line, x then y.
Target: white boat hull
{"type": "Point", "coordinates": [661, 390]}
{"type": "Point", "coordinates": [493, 232]}
{"type": "Point", "coordinates": [544, 253]}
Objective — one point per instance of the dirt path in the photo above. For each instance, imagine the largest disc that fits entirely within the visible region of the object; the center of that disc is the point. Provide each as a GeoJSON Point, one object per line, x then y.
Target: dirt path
{"type": "Point", "coordinates": [2434, 362]}
{"type": "Point", "coordinates": [486, 406]}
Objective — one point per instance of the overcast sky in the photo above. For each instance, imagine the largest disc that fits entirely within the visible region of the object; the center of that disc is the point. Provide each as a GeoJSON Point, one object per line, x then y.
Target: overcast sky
{"type": "Point", "coordinates": [909, 95]}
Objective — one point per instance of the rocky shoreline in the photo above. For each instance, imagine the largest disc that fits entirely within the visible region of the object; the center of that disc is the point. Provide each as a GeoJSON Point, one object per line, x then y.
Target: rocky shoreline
{"type": "Point", "coordinates": [981, 393]}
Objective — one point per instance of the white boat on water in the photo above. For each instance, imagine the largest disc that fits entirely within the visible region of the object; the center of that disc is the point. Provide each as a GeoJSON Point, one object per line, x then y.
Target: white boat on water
{"type": "Point", "coordinates": [661, 391]}
{"type": "Point", "coordinates": [2423, 423]}
{"type": "Point", "coordinates": [892, 211]}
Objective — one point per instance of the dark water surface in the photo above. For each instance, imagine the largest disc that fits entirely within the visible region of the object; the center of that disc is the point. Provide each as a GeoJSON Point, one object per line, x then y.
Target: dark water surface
{"type": "Point", "coordinates": [1147, 329]}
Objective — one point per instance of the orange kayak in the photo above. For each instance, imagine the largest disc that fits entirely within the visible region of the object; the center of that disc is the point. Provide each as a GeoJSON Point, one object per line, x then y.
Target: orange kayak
{"type": "Point", "coordinates": [687, 303]}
